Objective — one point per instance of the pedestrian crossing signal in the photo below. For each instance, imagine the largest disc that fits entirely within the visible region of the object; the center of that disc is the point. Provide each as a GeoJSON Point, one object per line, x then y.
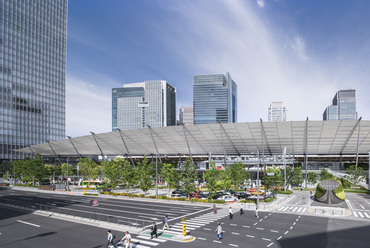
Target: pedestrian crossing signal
{"type": "Point", "coordinates": [184, 229]}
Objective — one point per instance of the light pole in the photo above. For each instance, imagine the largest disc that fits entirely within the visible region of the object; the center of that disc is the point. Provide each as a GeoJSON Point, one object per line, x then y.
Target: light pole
{"type": "Point", "coordinates": [258, 179]}
{"type": "Point", "coordinates": [67, 174]}
{"type": "Point", "coordinates": [284, 163]}
{"type": "Point", "coordinates": [156, 175]}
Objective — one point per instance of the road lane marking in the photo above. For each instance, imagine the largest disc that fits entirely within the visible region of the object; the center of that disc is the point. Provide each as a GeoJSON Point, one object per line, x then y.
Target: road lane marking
{"type": "Point", "coordinates": [274, 231]}
{"type": "Point", "coordinates": [294, 223]}
{"type": "Point", "coordinates": [266, 239]}
{"type": "Point", "coordinates": [362, 206]}
{"type": "Point", "coordinates": [269, 245]}
{"type": "Point", "coordinates": [367, 216]}
{"type": "Point", "coordinates": [156, 240]}
{"type": "Point", "coordinates": [355, 214]}
{"type": "Point", "coordinates": [233, 224]}
{"type": "Point", "coordinates": [27, 223]}
{"type": "Point", "coordinates": [202, 238]}
{"type": "Point", "coordinates": [247, 226]}
{"type": "Point", "coordinates": [255, 223]}
{"type": "Point", "coordinates": [250, 236]}
{"type": "Point", "coordinates": [291, 227]}
{"type": "Point", "coordinates": [279, 237]}
{"type": "Point", "coordinates": [207, 229]}
{"type": "Point", "coordinates": [216, 241]}
{"type": "Point", "coordinates": [359, 213]}
{"type": "Point", "coordinates": [286, 232]}
{"type": "Point", "coordinates": [234, 233]}
{"type": "Point", "coordinates": [259, 228]}
{"type": "Point", "coordinates": [234, 245]}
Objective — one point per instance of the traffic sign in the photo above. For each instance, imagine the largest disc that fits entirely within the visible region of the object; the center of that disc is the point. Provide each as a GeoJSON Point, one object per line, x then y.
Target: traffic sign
{"type": "Point", "coordinates": [94, 203]}
{"type": "Point", "coordinates": [270, 173]}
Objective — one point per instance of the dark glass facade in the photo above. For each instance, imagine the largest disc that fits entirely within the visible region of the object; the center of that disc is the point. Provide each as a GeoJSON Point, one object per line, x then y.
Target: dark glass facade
{"type": "Point", "coordinates": [214, 99]}
{"type": "Point", "coordinates": [33, 36]}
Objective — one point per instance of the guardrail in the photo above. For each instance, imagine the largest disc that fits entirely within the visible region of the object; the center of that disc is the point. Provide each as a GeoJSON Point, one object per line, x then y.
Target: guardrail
{"type": "Point", "coordinates": [75, 213]}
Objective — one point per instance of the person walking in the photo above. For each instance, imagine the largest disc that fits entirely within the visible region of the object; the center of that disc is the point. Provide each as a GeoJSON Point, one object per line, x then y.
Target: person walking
{"type": "Point", "coordinates": [127, 239]}
{"type": "Point", "coordinates": [230, 213]}
{"type": "Point", "coordinates": [219, 231]}
{"type": "Point", "coordinates": [110, 239]}
{"type": "Point", "coordinates": [256, 212]}
{"type": "Point", "coordinates": [153, 231]}
{"type": "Point", "coordinates": [165, 222]}
{"type": "Point", "coordinates": [214, 209]}
{"type": "Point", "coordinates": [241, 209]}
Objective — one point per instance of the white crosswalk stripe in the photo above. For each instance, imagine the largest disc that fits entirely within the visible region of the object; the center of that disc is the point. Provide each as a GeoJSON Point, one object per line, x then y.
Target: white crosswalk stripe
{"type": "Point", "coordinates": [364, 215]}
{"type": "Point", "coordinates": [292, 209]}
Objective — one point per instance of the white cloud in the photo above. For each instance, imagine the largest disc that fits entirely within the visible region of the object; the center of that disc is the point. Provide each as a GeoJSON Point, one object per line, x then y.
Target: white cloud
{"type": "Point", "coordinates": [260, 3]}
{"type": "Point", "coordinates": [299, 47]}
{"type": "Point", "coordinates": [88, 108]}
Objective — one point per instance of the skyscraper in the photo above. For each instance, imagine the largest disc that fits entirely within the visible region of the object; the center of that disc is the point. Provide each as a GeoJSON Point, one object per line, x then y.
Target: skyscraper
{"type": "Point", "coordinates": [138, 105]}
{"type": "Point", "coordinates": [214, 99]}
{"type": "Point", "coordinates": [33, 36]}
{"type": "Point", "coordinates": [186, 115]}
{"type": "Point", "coordinates": [343, 106]}
{"type": "Point", "coordinates": [278, 112]}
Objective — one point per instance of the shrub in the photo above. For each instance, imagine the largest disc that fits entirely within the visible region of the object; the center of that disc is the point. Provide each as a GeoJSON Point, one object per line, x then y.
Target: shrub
{"type": "Point", "coordinates": [162, 197]}
{"type": "Point", "coordinates": [247, 201]}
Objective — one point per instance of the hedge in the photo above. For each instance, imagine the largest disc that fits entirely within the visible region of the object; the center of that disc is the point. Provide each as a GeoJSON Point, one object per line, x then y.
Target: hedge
{"type": "Point", "coordinates": [339, 192]}
{"type": "Point", "coordinates": [320, 191]}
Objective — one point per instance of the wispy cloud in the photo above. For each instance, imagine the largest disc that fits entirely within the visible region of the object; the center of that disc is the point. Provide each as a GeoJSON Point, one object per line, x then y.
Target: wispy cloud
{"type": "Point", "coordinates": [260, 3]}
{"type": "Point", "coordinates": [299, 47]}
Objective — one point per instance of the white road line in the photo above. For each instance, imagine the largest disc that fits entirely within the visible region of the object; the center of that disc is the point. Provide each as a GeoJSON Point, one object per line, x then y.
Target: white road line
{"type": "Point", "coordinates": [156, 240]}
{"type": "Point", "coordinates": [233, 225]}
{"type": "Point", "coordinates": [349, 204]}
{"type": "Point", "coordinates": [138, 241]}
{"type": "Point", "coordinates": [367, 216]}
{"type": "Point", "coordinates": [359, 213]}
{"type": "Point", "coordinates": [27, 223]}
{"type": "Point", "coordinates": [261, 220]}
{"type": "Point", "coordinates": [247, 226]}
{"type": "Point", "coordinates": [266, 239]}
{"type": "Point", "coordinates": [202, 238]}
{"type": "Point", "coordinates": [294, 209]}
{"type": "Point", "coordinates": [355, 214]}
{"type": "Point", "coordinates": [234, 245]}
{"type": "Point", "coordinates": [259, 228]}
{"type": "Point", "coordinates": [207, 229]}
{"type": "Point", "coordinates": [274, 231]}
{"type": "Point", "coordinates": [299, 210]}
{"type": "Point", "coordinates": [291, 227]}
{"type": "Point", "coordinates": [265, 217]}
{"type": "Point", "coordinates": [234, 233]}
{"type": "Point", "coordinates": [250, 236]}
{"type": "Point", "coordinates": [279, 237]}
{"type": "Point", "coordinates": [255, 223]}
{"type": "Point", "coordinates": [286, 232]}
{"type": "Point", "coordinates": [296, 220]}
{"type": "Point", "coordinates": [216, 241]}
{"type": "Point", "coordinates": [362, 206]}
{"type": "Point", "coordinates": [294, 223]}
{"type": "Point", "coordinates": [269, 245]}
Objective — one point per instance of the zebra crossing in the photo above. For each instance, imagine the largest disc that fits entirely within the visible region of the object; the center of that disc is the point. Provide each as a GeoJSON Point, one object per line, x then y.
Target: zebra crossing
{"type": "Point", "coordinates": [194, 223]}
{"type": "Point", "coordinates": [292, 209]}
{"type": "Point", "coordinates": [142, 241]}
{"type": "Point", "coordinates": [361, 214]}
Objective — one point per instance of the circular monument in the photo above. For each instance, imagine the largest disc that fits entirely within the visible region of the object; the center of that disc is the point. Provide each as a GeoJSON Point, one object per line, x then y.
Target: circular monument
{"type": "Point", "coordinates": [330, 192]}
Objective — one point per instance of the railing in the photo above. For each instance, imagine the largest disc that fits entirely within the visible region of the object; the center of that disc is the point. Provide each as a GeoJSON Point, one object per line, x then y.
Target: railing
{"type": "Point", "coordinates": [75, 213]}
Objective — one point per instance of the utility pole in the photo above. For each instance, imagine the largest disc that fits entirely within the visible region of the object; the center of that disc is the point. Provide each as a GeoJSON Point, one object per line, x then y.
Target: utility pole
{"type": "Point", "coordinates": [284, 163]}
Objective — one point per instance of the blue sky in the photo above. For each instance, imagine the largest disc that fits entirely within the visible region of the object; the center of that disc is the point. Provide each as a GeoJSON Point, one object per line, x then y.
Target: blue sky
{"type": "Point", "coordinates": [298, 52]}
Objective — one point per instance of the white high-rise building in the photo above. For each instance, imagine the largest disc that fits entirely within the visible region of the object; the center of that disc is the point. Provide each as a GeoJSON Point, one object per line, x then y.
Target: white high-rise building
{"type": "Point", "coordinates": [138, 105]}
{"type": "Point", "coordinates": [278, 112]}
{"type": "Point", "coordinates": [186, 115]}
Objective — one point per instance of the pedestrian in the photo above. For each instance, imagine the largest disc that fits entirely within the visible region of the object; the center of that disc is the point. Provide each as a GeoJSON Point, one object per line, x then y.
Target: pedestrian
{"type": "Point", "coordinates": [256, 212]}
{"type": "Point", "coordinates": [127, 239]}
{"type": "Point", "coordinates": [153, 231]}
{"type": "Point", "coordinates": [219, 231]}
{"type": "Point", "coordinates": [165, 222]}
{"type": "Point", "coordinates": [241, 209]}
{"type": "Point", "coordinates": [230, 213]}
{"type": "Point", "coordinates": [110, 239]}
{"type": "Point", "coordinates": [214, 209]}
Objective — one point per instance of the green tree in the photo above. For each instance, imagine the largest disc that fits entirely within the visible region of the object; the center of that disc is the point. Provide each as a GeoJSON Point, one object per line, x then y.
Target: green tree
{"type": "Point", "coordinates": [21, 171]}
{"type": "Point", "coordinates": [88, 168]}
{"type": "Point", "coordinates": [294, 175]}
{"type": "Point", "coordinates": [63, 170]}
{"type": "Point", "coordinates": [129, 175]}
{"type": "Point", "coordinates": [275, 180]}
{"type": "Point", "coordinates": [188, 176]}
{"type": "Point", "coordinates": [146, 175]}
{"type": "Point", "coordinates": [325, 175]}
{"type": "Point", "coordinates": [312, 177]}
{"type": "Point", "coordinates": [113, 170]}
{"type": "Point", "coordinates": [211, 177]}
{"type": "Point", "coordinates": [36, 169]}
{"type": "Point", "coordinates": [6, 168]}
{"type": "Point", "coordinates": [239, 174]}
{"type": "Point", "coordinates": [170, 176]}
{"type": "Point", "coordinates": [225, 178]}
{"type": "Point", "coordinates": [355, 175]}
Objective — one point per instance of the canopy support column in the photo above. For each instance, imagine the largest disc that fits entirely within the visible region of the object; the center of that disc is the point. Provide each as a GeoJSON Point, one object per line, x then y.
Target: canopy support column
{"type": "Point", "coordinates": [263, 153]}
{"type": "Point", "coordinates": [156, 161]}
{"type": "Point", "coordinates": [123, 140]}
{"type": "Point", "coordinates": [70, 139]}
{"type": "Point", "coordinates": [54, 153]}
{"type": "Point", "coordinates": [306, 149]}
{"type": "Point", "coordinates": [358, 140]}
{"type": "Point", "coordinates": [97, 143]}
{"type": "Point", "coordinates": [223, 145]}
{"type": "Point", "coordinates": [187, 142]}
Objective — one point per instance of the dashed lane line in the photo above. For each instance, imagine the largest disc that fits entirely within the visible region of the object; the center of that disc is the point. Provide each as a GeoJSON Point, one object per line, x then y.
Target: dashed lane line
{"type": "Point", "coordinates": [269, 245]}
{"type": "Point", "coordinates": [234, 245]}
{"type": "Point", "coordinates": [27, 223]}
{"type": "Point", "coordinates": [234, 233]}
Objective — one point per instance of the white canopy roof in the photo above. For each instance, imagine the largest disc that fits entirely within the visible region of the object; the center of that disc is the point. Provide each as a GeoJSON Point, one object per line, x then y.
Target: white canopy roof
{"type": "Point", "coordinates": [299, 137]}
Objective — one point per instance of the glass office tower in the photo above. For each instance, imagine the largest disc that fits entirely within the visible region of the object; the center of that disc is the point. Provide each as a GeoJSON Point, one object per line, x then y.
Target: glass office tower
{"type": "Point", "coordinates": [278, 112]}
{"type": "Point", "coordinates": [214, 99]}
{"type": "Point", "coordinates": [33, 36]}
{"type": "Point", "coordinates": [138, 105]}
{"type": "Point", "coordinates": [343, 107]}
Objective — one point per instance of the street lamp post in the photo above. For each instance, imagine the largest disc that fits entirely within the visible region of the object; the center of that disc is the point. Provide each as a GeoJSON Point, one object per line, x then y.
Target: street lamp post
{"type": "Point", "coordinates": [67, 174]}
{"type": "Point", "coordinates": [284, 162]}
{"type": "Point", "coordinates": [156, 175]}
{"type": "Point", "coordinates": [258, 179]}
